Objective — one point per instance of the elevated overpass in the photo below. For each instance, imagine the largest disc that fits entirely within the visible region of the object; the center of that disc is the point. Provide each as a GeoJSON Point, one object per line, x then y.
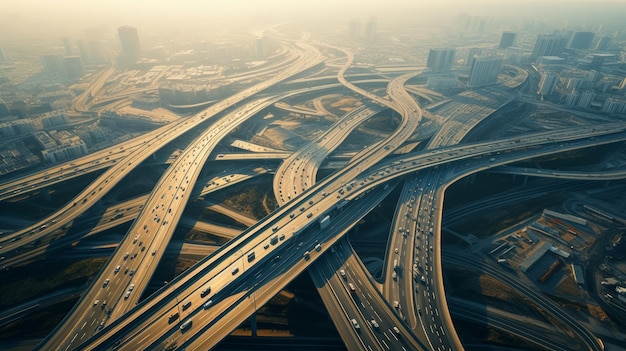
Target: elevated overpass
{"type": "Point", "coordinates": [223, 265]}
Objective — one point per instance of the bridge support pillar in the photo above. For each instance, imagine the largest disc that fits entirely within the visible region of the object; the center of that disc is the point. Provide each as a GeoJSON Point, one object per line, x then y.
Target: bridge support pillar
{"type": "Point", "coordinates": [253, 326]}
{"type": "Point", "coordinates": [45, 194]}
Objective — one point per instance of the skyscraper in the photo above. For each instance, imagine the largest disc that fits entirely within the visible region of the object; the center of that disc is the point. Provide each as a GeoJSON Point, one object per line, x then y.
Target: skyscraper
{"type": "Point", "coordinates": [130, 41]}
{"type": "Point", "coordinates": [440, 60]}
{"type": "Point", "coordinates": [52, 63]}
{"type": "Point", "coordinates": [581, 40]}
{"type": "Point", "coordinates": [507, 39]}
{"type": "Point", "coordinates": [548, 45]}
{"type": "Point", "coordinates": [484, 71]}
{"type": "Point", "coordinates": [69, 49]}
{"type": "Point", "coordinates": [471, 54]}
{"type": "Point", "coordinates": [73, 67]}
{"type": "Point", "coordinates": [604, 43]}
{"type": "Point", "coordinates": [370, 28]}
{"type": "Point", "coordinates": [355, 29]}
{"type": "Point", "coordinates": [547, 83]}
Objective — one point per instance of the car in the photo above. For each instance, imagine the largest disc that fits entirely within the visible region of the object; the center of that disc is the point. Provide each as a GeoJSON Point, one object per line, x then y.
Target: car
{"type": "Point", "coordinates": [126, 295]}
{"type": "Point", "coordinates": [95, 303]}
{"type": "Point", "coordinates": [153, 252]}
{"type": "Point", "coordinates": [132, 272]}
{"type": "Point", "coordinates": [355, 324]}
{"type": "Point", "coordinates": [186, 305]}
{"type": "Point", "coordinates": [106, 282]}
{"type": "Point", "coordinates": [205, 291]}
{"type": "Point", "coordinates": [117, 269]}
{"type": "Point", "coordinates": [131, 287]}
{"type": "Point", "coordinates": [396, 330]}
{"type": "Point", "coordinates": [342, 273]}
{"type": "Point", "coordinates": [374, 324]}
{"type": "Point", "coordinates": [126, 255]}
{"type": "Point", "coordinates": [208, 304]}
{"type": "Point", "coordinates": [396, 304]}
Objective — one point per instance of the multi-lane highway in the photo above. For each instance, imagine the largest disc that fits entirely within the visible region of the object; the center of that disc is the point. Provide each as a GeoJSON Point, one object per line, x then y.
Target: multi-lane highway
{"type": "Point", "coordinates": [151, 232]}
{"type": "Point", "coordinates": [224, 268]}
{"type": "Point", "coordinates": [204, 304]}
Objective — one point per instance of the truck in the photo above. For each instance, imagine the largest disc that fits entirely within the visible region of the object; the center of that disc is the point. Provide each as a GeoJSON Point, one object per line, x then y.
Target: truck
{"type": "Point", "coordinates": [325, 222]}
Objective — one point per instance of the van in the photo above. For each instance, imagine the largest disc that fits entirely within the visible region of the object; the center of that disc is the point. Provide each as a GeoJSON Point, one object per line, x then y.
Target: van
{"type": "Point", "coordinates": [183, 327]}
{"type": "Point", "coordinates": [208, 304]}
{"type": "Point", "coordinates": [251, 257]}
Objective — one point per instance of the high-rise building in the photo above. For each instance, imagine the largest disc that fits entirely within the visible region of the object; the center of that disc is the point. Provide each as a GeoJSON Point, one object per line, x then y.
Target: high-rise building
{"type": "Point", "coordinates": [581, 40]}
{"type": "Point", "coordinates": [91, 51]}
{"type": "Point", "coordinates": [471, 54]}
{"type": "Point", "coordinates": [52, 63]}
{"type": "Point", "coordinates": [69, 49]}
{"type": "Point", "coordinates": [604, 43]}
{"type": "Point", "coordinates": [355, 29]}
{"type": "Point", "coordinates": [370, 28]}
{"type": "Point", "coordinates": [3, 55]}
{"type": "Point", "coordinates": [261, 46]}
{"type": "Point", "coordinates": [484, 71]}
{"type": "Point", "coordinates": [73, 67]}
{"type": "Point", "coordinates": [547, 84]}
{"type": "Point", "coordinates": [440, 60]}
{"type": "Point", "coordinates": [4, 109]}
{"type": "Point", "coordinates": [548, 45]}
{"type": "Point", "coordinates": [129, 38]}
{"type": "Point", "coordinates": [507, 39]}
{"type": "Point", "coordinates": [585, 99]}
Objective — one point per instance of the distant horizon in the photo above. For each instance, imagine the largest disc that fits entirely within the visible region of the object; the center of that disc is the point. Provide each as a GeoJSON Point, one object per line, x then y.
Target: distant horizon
{"type": "Point", "coordinates": [46, 20]}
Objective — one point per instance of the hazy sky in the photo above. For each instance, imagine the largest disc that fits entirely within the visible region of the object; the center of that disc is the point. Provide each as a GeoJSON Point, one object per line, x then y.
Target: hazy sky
{"type": "Point", "coordinates": [60, 17]}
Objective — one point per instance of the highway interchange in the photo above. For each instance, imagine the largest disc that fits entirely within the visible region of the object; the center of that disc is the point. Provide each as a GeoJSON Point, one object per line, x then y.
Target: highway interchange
{"type": "Point", "coordinates": [204, 304]}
